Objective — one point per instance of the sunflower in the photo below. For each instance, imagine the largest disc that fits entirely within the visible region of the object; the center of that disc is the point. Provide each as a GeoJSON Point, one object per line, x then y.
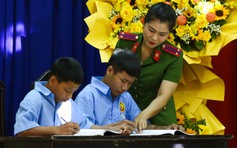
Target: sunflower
{"type": "Point", "coordinates": [116, 22]}
{"type": "Point", "coordinates": [190, 12]}
{"type": "Point", "coordinates": [221, 12]}
{"type": "Point", "coordinates": [207, 15]}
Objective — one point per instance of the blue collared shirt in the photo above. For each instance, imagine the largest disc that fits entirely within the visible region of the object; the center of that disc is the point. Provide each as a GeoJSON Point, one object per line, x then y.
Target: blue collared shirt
{"type": "Point", "coordinates": [96, 103]}
{"type": "Point", "coordinates": [38, 108]}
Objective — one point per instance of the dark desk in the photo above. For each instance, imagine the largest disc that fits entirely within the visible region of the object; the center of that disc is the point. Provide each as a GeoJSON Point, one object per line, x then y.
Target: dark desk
{"type": "Point", "coordinates": [164, 141]}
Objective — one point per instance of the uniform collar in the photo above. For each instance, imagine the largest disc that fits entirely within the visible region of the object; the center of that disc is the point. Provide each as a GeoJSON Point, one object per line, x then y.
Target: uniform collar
{"type": "Point", "coordinates": [104, 88]}
{"type": "Point", "coordinates": [45, 92]}
{"type": "Point", "coordinates": [155, 54]}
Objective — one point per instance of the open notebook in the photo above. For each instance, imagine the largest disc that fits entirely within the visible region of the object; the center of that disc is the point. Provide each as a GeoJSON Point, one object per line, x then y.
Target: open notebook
{"type": "Point", "coordinates": [159, 132]}
{"type": "Point", "coordinates": [96, 132]}
{"type": "Point", "coordinates": [103, 132]}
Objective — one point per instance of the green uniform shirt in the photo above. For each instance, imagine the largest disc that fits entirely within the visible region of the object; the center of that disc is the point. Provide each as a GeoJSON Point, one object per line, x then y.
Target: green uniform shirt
{"type": "Point", "coordinates": [165, 66]}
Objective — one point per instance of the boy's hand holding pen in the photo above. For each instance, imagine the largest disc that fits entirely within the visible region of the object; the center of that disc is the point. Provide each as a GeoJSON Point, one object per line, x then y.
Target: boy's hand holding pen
{"type": "Point", "coordinates": [69, 128]}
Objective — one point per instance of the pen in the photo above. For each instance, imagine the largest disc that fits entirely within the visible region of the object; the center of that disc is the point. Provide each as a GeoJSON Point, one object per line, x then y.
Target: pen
{"type": "Point", "coordinates": [63, 119]}
{"type": "Point", "coordinates": [122, 115]}
{"type": "Point", "coordinates": [124, 118]}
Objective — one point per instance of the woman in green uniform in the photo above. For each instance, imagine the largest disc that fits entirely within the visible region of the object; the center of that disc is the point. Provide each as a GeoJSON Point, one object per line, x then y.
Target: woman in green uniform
{"type": "Point", "coordinates": [161, 66]}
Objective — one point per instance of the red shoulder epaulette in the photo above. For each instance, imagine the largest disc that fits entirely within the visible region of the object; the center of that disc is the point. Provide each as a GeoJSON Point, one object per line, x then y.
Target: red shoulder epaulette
{"type": "Point", "coordinates": [172, 50]}
{"type": "Point", "coordinates": [128, 36]}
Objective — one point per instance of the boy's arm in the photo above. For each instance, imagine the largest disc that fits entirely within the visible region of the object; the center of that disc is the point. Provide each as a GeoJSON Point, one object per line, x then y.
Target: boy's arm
{"type": "Point", "coordinates": [125, 126]}
{"type": "Point", "coordinates": [69, 128]}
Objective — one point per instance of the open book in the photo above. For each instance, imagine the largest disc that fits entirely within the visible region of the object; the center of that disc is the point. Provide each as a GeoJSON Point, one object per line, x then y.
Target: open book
{"type": "Point", "coordinates": [96, 132]}
{"type": "Point", "coordinates": [103, 132]}
{"type": "Point", "coordinates": [159, 132]}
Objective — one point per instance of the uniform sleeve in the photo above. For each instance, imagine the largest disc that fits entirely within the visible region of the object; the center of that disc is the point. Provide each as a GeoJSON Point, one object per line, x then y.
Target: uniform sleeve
{"type": "Point", "coordinates": [28, 113]}
{"type": "Point", "coordinates": [85, 103]}
{"type": "Point", "coordinates": [119, 44]}
{"type": "Point", "coordinates": [124, 44]}
{"type": "Point", "coordinates": [174, 70]}
{"type": "Point", "coordinates": [78, 117]}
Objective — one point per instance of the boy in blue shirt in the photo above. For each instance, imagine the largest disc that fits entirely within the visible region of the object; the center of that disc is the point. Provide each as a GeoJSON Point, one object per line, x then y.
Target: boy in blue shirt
{"type": "Point", "coordinates": [48, 109]}
{"type": "Point", "coordinates": [106, 101]}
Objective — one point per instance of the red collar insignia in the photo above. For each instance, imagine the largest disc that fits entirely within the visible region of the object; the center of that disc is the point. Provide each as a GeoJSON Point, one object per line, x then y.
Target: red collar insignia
{"type": "Point", "coordinates": [135, 46]}
{"type": "Point", "coordinates": [156, 56]}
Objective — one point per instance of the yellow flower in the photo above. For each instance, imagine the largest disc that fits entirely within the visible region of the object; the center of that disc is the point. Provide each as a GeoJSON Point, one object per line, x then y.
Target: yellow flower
{"type": "Point", "coordinates": [117, 7]}
{"type": "Point", "coordinates": [193, 31]}
{"type": "Point", "coordinates": [156, 1]}
{"type": "Point", "coordinates": [201, 21]}
{"type": "Point", "coordinates": [142, 2]}
{"type": "Point", "coordinates": [192, 126]}
{"type": "Point", "coordinates": [127, 12]}
{"type": "Point", "coordinates": [180, 118]}
{"type": "Point", "coordinates": [194, 1]}
{"type": "Point", "coordinates": [136, 27]}
{"type": "Point", "coordinates": [191, 131]}
{"type": "Point", "coordinates": [183, 32]}
{"type": "Point", "coordinates": [182, 4]}
{"type": "Point", "coordinates": [231, 4]}
{"type": "Point", "coordinates": [204, 35]}
{"type": "Point", "coordinates": [190, 12]}
{"type": "Point", "coordinates": [221, 12]}
{"type": "Point", "coordinates": [171, 38]}
{"type": "Point", "coordinates": [116, 21]}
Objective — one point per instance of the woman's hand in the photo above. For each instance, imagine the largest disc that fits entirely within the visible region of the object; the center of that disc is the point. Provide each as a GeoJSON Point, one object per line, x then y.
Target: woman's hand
{"type": "Point", "coordinates": [141, 123]}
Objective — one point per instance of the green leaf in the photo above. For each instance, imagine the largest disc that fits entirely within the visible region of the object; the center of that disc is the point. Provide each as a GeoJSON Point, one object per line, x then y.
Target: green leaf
{"type": "Point", "coordinates": [213, 35]}
{"type": "Point", "coordinates": [185, 46]}
{"type": "Point", "coordinates": [199, 44]}
{"type": "Point", "coordinates": [203, 122]}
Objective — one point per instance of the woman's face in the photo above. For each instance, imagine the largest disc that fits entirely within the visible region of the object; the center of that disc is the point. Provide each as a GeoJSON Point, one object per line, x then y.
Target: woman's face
{"type": "Point", "coordinates": [155, 33]}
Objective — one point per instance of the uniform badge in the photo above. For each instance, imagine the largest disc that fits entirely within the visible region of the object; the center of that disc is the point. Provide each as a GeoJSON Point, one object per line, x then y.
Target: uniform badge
{"type": "Point", "coordinates": [128, 36]}
{"type": "Point", "coordinates": [122, 107]}
{"type": "Point", "coordinates": [172, 50]}
{"type": "Point", "coordinates": [135, 46]}
{"type": "Point", "coordinates": [156, 56]}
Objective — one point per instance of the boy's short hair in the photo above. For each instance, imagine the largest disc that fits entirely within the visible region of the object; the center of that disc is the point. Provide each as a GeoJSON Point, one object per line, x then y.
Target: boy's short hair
{"type": "Point", "coordinates": [125, 60]}
{"type": "Point", "coordinates": [67, 69]}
